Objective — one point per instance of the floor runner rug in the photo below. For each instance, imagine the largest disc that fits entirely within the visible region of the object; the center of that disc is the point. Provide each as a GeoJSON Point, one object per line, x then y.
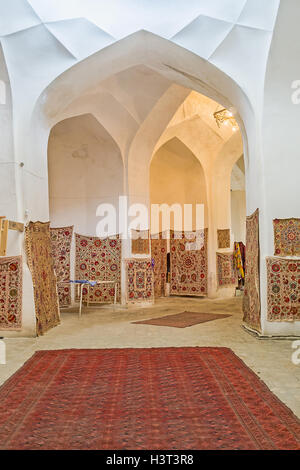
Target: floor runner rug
{"type": "Point", "coordinates": [183, 319]}
{"type": "Point", "coordinates": [160, 398]}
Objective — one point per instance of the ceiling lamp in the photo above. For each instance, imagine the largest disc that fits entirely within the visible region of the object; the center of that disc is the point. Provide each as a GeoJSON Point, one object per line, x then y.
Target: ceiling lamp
{"type": "Point", "coordinates": [227, 118]}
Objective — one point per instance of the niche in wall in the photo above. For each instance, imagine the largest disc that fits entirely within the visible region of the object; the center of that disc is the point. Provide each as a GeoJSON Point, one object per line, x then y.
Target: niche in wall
{"type": "Point", "coordinates": [85, 169]}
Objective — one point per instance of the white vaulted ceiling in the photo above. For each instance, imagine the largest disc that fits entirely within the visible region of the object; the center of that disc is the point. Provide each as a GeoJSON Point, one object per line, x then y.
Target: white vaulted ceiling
{"type": "Point", "coordinates": [52, 35]}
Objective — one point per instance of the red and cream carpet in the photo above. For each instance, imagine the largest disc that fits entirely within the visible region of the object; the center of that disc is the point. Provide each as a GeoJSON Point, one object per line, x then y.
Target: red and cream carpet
{"type": "Point", "coordinates": [183, 319]}
{"type": "Point", "coordinates": [160, 398]}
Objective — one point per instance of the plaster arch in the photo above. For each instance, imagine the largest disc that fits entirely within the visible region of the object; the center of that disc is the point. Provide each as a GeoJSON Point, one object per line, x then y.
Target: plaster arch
{"type": "Point", "coordinates": [177, 176]}
{"type": "Point", "coordinates": [85, 169]}
{"type": "Point", "coordinates": [184, 70]}
{"type": "Point", "coordinates": [177, 64]}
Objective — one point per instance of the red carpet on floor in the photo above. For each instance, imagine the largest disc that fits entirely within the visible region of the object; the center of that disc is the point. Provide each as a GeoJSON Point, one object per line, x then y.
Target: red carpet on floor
{"type": "Point", "coordinates": [160, 398]}
{"type": "Point", "coordinates": [183, 319]}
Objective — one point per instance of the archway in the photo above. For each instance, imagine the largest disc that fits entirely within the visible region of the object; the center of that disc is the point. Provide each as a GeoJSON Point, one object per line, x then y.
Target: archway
{"type": "Point", "coordinates": [66, 96]}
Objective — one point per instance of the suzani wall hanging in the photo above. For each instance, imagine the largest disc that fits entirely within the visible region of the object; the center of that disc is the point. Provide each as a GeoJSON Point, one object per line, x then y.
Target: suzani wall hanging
{"type": "Point", "coordinates": [140, 280]}
{"type": "Point", "coordinates": [40, 262]}
{"type": "Point", "coordinates": [223, 238]}
{"type": "Point", "coordinates": [140, 242]}
{"type": "Point", "coordinates": [226, 270]}
{"type": "Point", "coordinates": [99, 259]}
{"type": "Point", "coordinates": [286, 237]}
{"type": "Point", "coordinates": [251, 300]}
{"type": "Point", "coordinates": [159, 256]}
{"type": "Point", "coordinates": [188, 263]}
{"type": "Point", "coordinates": [11, 293]}
{"type": "Point", "coordinates": [61, 239]}
{"type": "Point", "coordinates": [283, 277]}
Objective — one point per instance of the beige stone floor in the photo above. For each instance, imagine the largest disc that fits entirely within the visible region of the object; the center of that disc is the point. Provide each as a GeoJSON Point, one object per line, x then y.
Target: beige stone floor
{"type": "Point", "coordinates": [108, 328]}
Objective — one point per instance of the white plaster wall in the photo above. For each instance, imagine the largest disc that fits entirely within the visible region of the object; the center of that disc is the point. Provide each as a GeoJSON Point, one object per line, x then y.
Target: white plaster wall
{"type": "Point", "coordinates": [238, 216]}
{"type": "Point", "coordinates": [228, 66]}
{"type": "Point", "coordinates": [281, 142]}
{"type": "Point", "coordinates": [85, 170]}
{"type": "Point", "coordinates": [177, 177]}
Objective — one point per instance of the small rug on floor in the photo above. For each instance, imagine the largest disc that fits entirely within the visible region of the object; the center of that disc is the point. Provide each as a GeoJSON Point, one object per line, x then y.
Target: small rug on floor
{"type": "Point", "coordinates": [160, 398]}
{"type": "Point", "coordinates": [183, 319]}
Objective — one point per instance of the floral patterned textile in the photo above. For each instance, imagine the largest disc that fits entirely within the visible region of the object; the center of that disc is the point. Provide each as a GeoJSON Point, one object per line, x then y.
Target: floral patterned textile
{"type": "Point", "coordinates": [99, 259]}
{"type": "Point", "coordinates": [140, 242]}
{"type": "Point", "coordinates": [159, 255]}
{"type": "Point", "coordinates": [226, 270]}
{"type": "Point", "coordinates": [223, 238]}
{"type": "Point", "coordinates": [61, 238]}
{"type": "Point", "coordinates": [287, 237]}
{"type": "Point", "coordinates": [11, 293]}
{"type": "Point", "coordinates": [251, 300]}
{"type": "Point", "coordinates": [188, 263]}
{"type": "Point", "coordinates": [40, 262]}
{"type": "Point", "coordinates": [283, 289]}
{"type": "Point", "coordinates": [139, 285]}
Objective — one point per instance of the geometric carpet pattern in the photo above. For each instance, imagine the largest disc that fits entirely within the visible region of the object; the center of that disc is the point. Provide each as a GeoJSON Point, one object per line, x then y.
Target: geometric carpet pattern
{"type": "Point", "coordinates": [157, 398]}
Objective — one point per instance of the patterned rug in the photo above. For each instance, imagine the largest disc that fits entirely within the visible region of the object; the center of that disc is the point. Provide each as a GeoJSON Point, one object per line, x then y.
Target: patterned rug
{"type": "Point", "coordinates": [226, 270]}
{"type": "Point", "coordinates": [61, 238]}
{"type": "Point", "coordinates": [251, 300]}
{"type": "Point", "coordinates": [40, 262]}
{"type": "Point", "coordinates": [183, 319]}
{"type": "Point", "coordinates": [99, 259]}
{"type": "Point", "coordinates": [283, 289]}
{"type": "Point", "coordinates": [286, 237]}
{"type": "Point", "coordinates": [140, 242]}
{"type": "Point", "coordinates": [188, 263]}
{"type": "Point", "coordinates": [11, 293]}
{"type": "Point", "coordinates": [160, 398]}
{"type": "Point", "coordinates": [159, 255]}
{"type": "Point", "coordinates": [223, 238]}
{"type": "Point", "coordinates": [139, 280]}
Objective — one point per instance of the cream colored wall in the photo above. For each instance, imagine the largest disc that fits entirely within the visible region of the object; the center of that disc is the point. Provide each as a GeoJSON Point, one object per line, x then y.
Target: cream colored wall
{"type": "Point", "coordinates": [238, 216]}
{"type": "Point", "coordinates": [85, 170]}
{"type": "Point", "coordinates": [176, 176]}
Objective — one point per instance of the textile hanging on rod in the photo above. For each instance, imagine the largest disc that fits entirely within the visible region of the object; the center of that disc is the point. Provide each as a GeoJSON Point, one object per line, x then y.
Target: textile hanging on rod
{"type": "Point", "coordinates": [189, 263]}
{"type": "Point", "coordinates": [61, 239]}
{"type": "Point", "coordinates": [283, 280]}
{"type": "Point", "coordinates": [139, 280]}
{"type": "Point", "coordinates": [41, 265]}
{"type": "Point", "coordinates": [99, 259]}
{"type": "Point", "coordinates": [239, 260]}
{"type": "Point", "coordinates": [140, 242]}
{"type": "Point", "coordinates": [11, 288]}
{"type": "Point", "coordinates": [251, 299]}
{"type": "Point", "coordinates": [226, 270]}
{"type": "Point", "coordinates": [286, 237]}
{"type": "Point", "coordinates": [159, 255]}
{"type": "Point", "coordinates": [223, 238]}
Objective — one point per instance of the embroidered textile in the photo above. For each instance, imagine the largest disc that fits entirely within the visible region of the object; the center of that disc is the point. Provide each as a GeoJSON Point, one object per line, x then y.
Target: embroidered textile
{"type": "Point", "coordinates": [286, 237]}
{"type": "Point", "coordinates": [189, 263]}
{"type": "Point", "coordinates": [40, 262]}
{"type": "Point", "coordinates": [238, 260]}
{"type": "Point", "coordinates": [226, 270]}
{"type": "Point", "coordinates": [140, 242]}
{"type": "Point", "coordinates": [251, 300]}
{"type": "Point", "coordinates": [223, 238]}
{"type": "Point", "coordinates": [61, 238]}
{"type": "Point", "coordinates": [159, 255]}
{"type": "Point", "coordinates": [99, 259]}
{"type": "Point", "coordinates": [283, 277]}
{"type": "Point", "coordinates": [139, 285]}
{"type": "Point", "coordinates": [11, 293]}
